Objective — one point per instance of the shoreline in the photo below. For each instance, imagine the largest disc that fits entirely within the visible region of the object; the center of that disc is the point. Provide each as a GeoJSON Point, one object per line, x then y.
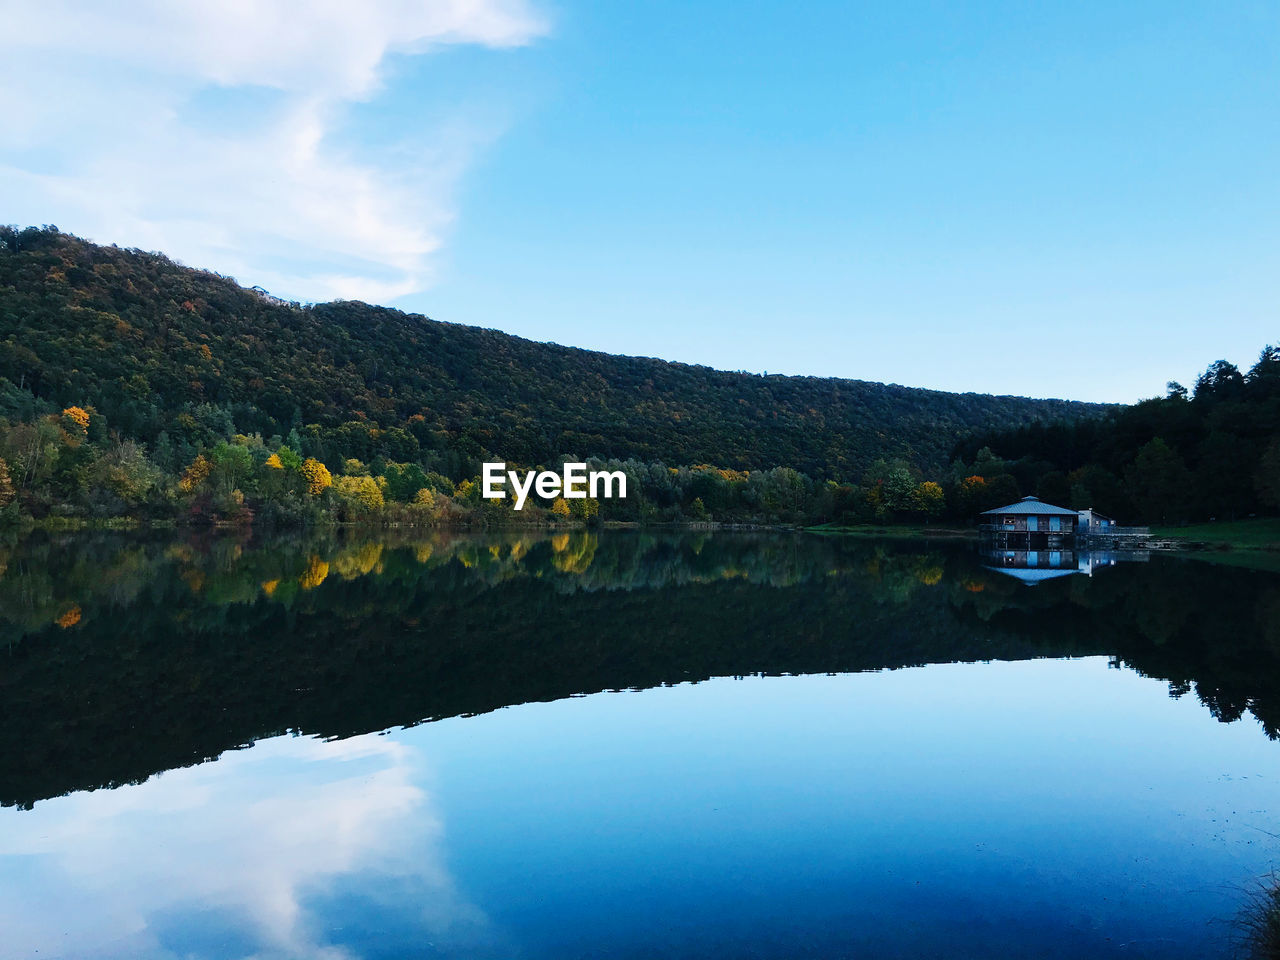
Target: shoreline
{"type": "Point", "coordinates": [1255, 535]}
{"type": "Point", "coordinates": [905, 531]}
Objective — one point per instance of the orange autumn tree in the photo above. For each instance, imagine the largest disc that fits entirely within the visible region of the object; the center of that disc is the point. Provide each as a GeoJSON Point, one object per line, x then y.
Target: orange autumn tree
{"type": "Point", "coordinates": [78, 416]}
{"type": "Point", "coordinates": [971, 495]}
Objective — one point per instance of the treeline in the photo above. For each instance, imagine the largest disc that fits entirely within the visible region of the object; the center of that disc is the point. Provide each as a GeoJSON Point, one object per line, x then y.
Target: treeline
{"type": "Point", "coordinates": [178, 360]}
{"type": "Point", "coordinates": [1209, 452]}
{"type": "Point", "coordinates": [71, 464]}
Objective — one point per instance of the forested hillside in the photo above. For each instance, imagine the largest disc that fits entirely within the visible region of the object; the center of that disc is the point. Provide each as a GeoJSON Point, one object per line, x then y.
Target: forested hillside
{"type": "Point", "coordinates": [1211, 452]}
{"type": "Point", "coordinates": [161, 349]}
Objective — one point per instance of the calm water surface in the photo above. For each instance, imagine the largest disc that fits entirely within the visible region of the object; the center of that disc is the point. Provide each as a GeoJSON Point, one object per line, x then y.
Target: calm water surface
{"type": "Point", "coordinates": [628, 745]}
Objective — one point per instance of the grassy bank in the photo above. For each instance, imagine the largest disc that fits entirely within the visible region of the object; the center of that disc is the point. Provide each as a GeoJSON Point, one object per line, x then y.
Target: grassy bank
{"type": "Point", "coordinates": [1254, 544]}
{"type": "Point", "coordinates": [1255, 534]}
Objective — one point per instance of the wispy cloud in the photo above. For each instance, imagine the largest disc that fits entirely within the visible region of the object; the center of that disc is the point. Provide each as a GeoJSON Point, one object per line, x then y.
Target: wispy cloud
{"type": "Point", "coordinates": [246, 850]}
{"type": "Point", "coordinates": [106, 129]}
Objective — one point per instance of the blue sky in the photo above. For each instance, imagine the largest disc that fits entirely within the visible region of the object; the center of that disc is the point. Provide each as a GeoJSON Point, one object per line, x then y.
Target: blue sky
{"type": "Point", "coordinates": [1072, 200]}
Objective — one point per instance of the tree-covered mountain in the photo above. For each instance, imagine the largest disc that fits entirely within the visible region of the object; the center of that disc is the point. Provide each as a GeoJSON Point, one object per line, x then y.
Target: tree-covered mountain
{"type": "Point", "coordinates": [175, 356]}
{"type": "Point", "coordinates": [1211, 452]}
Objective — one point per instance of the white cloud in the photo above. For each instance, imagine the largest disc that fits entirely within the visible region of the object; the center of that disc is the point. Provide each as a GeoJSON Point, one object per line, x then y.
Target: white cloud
{"type": "Point", "coordinates": [239, 849]}
{"type": "Point", "coordinates": [102, 131]}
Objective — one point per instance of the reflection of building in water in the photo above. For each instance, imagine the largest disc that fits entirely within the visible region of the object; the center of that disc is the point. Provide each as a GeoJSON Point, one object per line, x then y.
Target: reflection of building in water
{"type": "Point", "coordinates": [1036, 566]}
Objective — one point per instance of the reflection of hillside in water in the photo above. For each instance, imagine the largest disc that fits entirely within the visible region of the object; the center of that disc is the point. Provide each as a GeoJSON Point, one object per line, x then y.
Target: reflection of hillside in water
{"type": "Point", "coordinates": [129, 655]}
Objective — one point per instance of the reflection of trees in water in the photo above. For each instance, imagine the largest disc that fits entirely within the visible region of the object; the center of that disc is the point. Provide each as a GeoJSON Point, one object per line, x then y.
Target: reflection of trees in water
{"type": "Point", "coordinates": [54, 575]}
{"type": "Point", "coordinates": [126, 655]}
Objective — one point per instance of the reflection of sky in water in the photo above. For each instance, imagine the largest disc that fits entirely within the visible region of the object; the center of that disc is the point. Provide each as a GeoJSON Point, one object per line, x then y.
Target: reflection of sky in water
{"type": "Point", "coordinates": [229, 859]}
{"type": "Point", "coordinates": [1046, 808]}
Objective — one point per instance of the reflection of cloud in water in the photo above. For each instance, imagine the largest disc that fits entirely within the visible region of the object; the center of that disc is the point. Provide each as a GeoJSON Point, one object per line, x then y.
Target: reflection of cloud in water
{"type": "Point", "coordinates": [230, 858]}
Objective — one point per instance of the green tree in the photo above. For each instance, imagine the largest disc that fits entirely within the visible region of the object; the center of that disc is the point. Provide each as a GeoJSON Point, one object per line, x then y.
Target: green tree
{"type": "Point", "coordinates": [1266, 479]}
{"type": "Point", "coordinates": [1222, 481]}
{"type": "Point", "coordinates": [232, 465]}
{"type": "Point", "coordinates": [1054, 488]}
{"type": "Point", "coordinates": [896, 486]}
{"type": "Point", "coordinates": [404, 480]}
{"type": "Point", "coordinates": [1002, 490]}
{"type": "Point", "coordinates": [1221, 381]}
{"type": "Point", "coordinates": [289, 458]}
{"type": "Point", "coordinates": [1097, 487]}
{"type": "Point", "coordinates": [125, 473]}
{"type": "Point", "coordinates": [1158, 483]}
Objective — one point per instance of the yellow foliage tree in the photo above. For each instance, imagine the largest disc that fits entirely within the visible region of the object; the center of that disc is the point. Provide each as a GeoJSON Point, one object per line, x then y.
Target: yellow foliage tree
{"type": "Point", "coordinates": [314, 575]}
{"type": "Point", "coordinates": [466, 491]}
{"type": "Point", "coordinates": [586, 509]}
{"type": "Point", "coordinates": [576, 554]}
{"type": "Point", "coordinates": [363, 491]}
{"type": "Point", "coordinates": [930, 576]}
{"type": "Point", "coordinates": [317, 476]}
{"type": "Point", "coordinates": [972, 494]}
{"type": "Point", "coordinates": [560, 509]}
{"type": "Point", "coordinates": [196, 474]}
{"type": "Point", "coordinates": [927, 498]}
{"type": "Point", "coordinates": [358, 562]}
{"type": "Point", "coordinates": [6, 484]}
{"type": "Point", "coordinates": [273, 462]}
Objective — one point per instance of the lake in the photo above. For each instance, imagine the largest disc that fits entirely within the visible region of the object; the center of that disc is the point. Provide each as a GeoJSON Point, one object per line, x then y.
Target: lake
{"type": "Point", "coordinates": [629, 744]}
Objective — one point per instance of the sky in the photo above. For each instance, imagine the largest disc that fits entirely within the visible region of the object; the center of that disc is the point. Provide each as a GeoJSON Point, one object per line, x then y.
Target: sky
{"type": "Point", "coordinates": [1071, 200]}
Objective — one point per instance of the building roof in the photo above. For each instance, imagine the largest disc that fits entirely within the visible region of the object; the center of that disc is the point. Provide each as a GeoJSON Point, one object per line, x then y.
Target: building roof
{"type": "Point", "coordinates": [1033, 576]}
{"type": "Point", "coordinates": [1031, 505]}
